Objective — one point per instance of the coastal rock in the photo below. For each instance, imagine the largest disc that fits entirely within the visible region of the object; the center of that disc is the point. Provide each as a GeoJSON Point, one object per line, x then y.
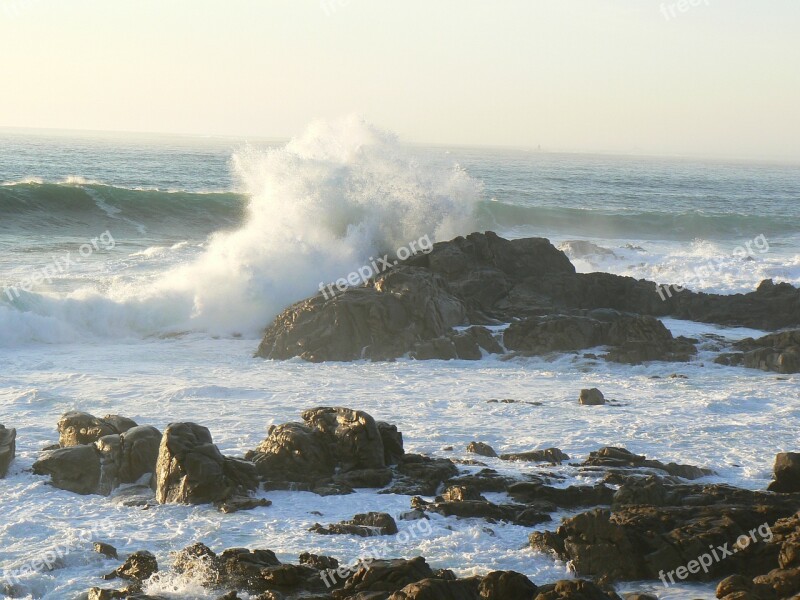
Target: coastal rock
{"type": "Point", "coordinates": [74, 468]}
{"type": "Point", "coordinates": [385, 576]}
{"type": "Point", "coordinates": [293, 452]}
{"type": "Point", "coordinates": [382, 320]}
{"type": "Point", "coordinates": [392, 443]}
{"type": "Point", "coordinates": [139, 566]}
{"type": "Point", "coordinates": [353, 436]}
{"type": "Point", "coordinates": [418, 475]}
{"type": "Point", "coordinates": [78, 428]}
{"type": "Point", "coordinates": [612, 457]}
{"type": "Point", "coordinates": [483, 279]}
{"type": "Point", "coordinates": [638, 542]}
{"type": "Point", "coordinates": [363, 525]}
{"type": "Point", "coordinates": [592, 397]}
{"type": "Point", "coordinates": [787, 473]}
{"type": "Point", "coordinates": [456, 503]}
{"type": "Point", "coordinates": [574, 589]}
{"type": "Point", "coordinates": [481, 449]}
{"type": "Point", "coordinates": [778, 352]}
{"type": "Point", "coordinates": [7, 448]}
{"type": "Point", "coordinates": [506, 585]}
{"type": "Point", "coordinates": [191, 470]}
{"type": "Point", "coordinates": [439, 589]}
{"type": "Point", "coordinates": [549, 455]}
{"type": "Point", "coordinates": [465, 345]}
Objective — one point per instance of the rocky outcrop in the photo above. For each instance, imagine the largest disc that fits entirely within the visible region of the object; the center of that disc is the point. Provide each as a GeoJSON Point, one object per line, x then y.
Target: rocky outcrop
{"type": "Point", "coordinates": [483, 279]}
{"type": "Point", "coordinates": [632, 339]}
{"type": "Point", "coordinates": [383, 320]}
{"type": "Point", "coordinates": [591, 397]}
{"type": "Point", "coordinates": [610, 457]}
{"type": "Point", "coordinates": [362, 525]}
{"type": "Point", "coordinates": [79, 428]}
{"type": "Point", "coordinates": [334, 450]}
{"type": "Point", "coordinates": [549, 455]}
{"type": "Point", "coordinates": [8, 448]}
{"type": "Point", "coordinates": [191, 470]}
{"type": "Point", "coordinates": [787, 473]}
{"type": "Point", "coordinates": [481, 449]}
{"type": "Point", "coordinates": [75, 468]}
{"type": "Point", "coordinates": [641, 541]}
{"type": "Point", "coordinates": [778, 352]}
{"type": "Point", "coordinates": [465, 502]}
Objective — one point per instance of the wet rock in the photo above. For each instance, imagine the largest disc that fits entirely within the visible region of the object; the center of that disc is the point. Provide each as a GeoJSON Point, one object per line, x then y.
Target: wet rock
{"type": "Point", "coordinates": [550, 455]}
{"type": "Point", "coordinates": [570, 497]}
{"type": "Point", "coordinates": [392, 443]}
{"type": "Point", "coordinates": [574, 589]}
{"type": "Point", "coordinates": [777, 352]}
{"type": "Point", "coordinates": [140, 446]}
{"type": "Point", "coordinates": [384, 319]}
{"type": "Point", "coordinates": [592, 397]}
{"type": "Point", "coordinates": [7, 448]}
{"type": "Point", "coordinates": [294, 452]}
{"type": "Point", "coordinates": [106, 550]}
{"type": "Point", "coordinates": [75, 468]}
{"type": "Point", "coordinates": [320, 563]}
{"type": "Point", "coordinates": [191, 470]}
{"type": "Point", "coordinates": [612, 457]}
{"type": "Point", "coordinates": [363, 525]}
{"type": "Point", "coordinates": [464, 345]}
{"type": "Point", "coordinates": [237, 503]}
{"type": "Point", "coordinates": [506, 585]}
{"type": "Point", "coordinates": [485, 480]}
{"type": "Point", "coordinates": [353, 436]}
{"type": "Point", "coordinates": [77, 428]}
{"type": "Point", "coordinates": [417, 475]}
{"type": "Point", "coordinates": [439, 589]}
{"type": "Point", "coordinates": [481, 449]}
{"type": "Point", "coordinates": [384, 576]}
{"type": "Point", "coordinates": [787, 473]}
{"type": "Point", "coordinates": [139, 566]}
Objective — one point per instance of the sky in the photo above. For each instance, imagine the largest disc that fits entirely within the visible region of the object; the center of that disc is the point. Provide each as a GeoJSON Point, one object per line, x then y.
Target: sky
{"type": "Point", "coordinates": [718, 78]}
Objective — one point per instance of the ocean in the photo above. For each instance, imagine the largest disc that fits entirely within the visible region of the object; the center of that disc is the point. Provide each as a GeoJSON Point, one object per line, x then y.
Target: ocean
{"type": "Point", "coordinates": [138, 271]}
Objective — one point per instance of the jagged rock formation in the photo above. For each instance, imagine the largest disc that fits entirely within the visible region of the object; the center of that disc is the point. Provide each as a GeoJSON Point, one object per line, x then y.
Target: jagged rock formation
{"type": "Point", "coordinates": [483, 279]}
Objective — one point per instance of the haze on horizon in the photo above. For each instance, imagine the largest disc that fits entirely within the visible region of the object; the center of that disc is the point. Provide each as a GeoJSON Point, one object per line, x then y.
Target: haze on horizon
{"type": "Point", "coordinates": [686, 77]}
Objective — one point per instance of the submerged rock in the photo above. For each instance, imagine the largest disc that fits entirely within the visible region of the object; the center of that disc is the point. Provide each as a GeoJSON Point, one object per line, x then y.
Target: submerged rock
{"type": "Point", "coordinates": [363, 525]}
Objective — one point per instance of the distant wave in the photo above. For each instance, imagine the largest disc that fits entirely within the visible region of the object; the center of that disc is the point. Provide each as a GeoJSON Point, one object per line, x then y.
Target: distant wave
{"type": "Point", "coordinates": [36, 206]}
{"type": "Point", "coordinates": [547, 220]}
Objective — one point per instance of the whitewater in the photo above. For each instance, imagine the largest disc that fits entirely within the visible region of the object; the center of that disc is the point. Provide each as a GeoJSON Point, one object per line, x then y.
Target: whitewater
{"type": "Point", "coordinates": [214, 237]}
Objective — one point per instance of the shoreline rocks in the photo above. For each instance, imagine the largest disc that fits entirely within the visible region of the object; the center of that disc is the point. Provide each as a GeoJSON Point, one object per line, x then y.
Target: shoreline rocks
{"type": "Point", "coordinates": [413, 309]}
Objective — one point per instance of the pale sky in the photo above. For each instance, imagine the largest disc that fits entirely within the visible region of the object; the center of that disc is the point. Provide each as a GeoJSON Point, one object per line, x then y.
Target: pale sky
{"type": "Point", "coordinates": [721, 78]}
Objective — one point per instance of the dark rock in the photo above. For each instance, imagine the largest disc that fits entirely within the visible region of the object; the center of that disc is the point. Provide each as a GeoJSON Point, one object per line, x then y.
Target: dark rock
{"type": "Point", "coordinates": [778, 352]}
{"type": "Point", "coordinates": [481, 449]}
{"type": "Point", "coordinates": [464, 345]}
{"type": "Point", "coordinates": [191, 469]}
{"type": "Point", "coordinates": [570, 497]}
{"type": "Point", "coordinates": [139, 566]}
{"type": "Point", "coordinates": [622, 458]}
{"type": "Point", "coordinates": [75, 468]}
{"type": "Point", "coordinates": [382, 320]}
{"type": "Point", "coordinates": [140, 445]}
{"type": "Point", "coordinates": [294, 452]}
{"type": "Point", "coordinates": [237, 503]}
{"type": "Point", "coordinates": [353, 434]}
{"type": "Point", "coordinates": [7, 448]}
{"type": "Point", "coordinates": [506, 585]}
{"type": "Point", "coordinates": [592, 397]}
{"type": "Point", "coordinates": [439, 589]}
{"type": "Point", "coordinates": [574, 589]}
{"type": "Point", "coordinates": [787, 473]}
{"type": "Point", "coordinates": [392, 442]}
{"type": "Point", "coordinates": [320, 563]}
{"type": "Point", "coordinates": [550, 455]}
{"type": "Point", "coordinates": [384, 576]}
{"type": "Point", "coordinates": [363, 525]}
{"type": "Point", "coordinates": [421, 475]}
{"type": "Point", "coordinates": [106, 550]}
